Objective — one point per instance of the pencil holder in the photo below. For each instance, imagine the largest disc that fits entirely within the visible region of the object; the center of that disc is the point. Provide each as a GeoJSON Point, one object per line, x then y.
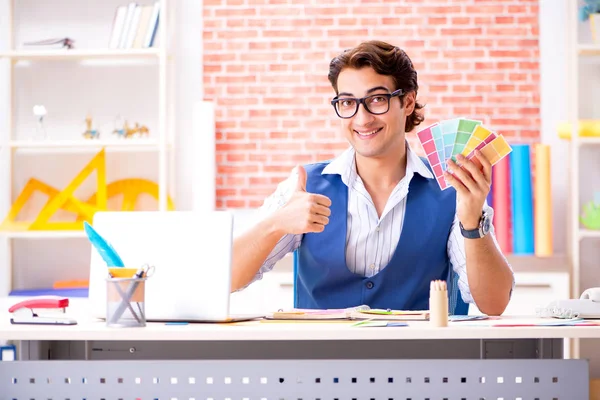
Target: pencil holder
{"type": "Point", "coordinates": [438, 304]}
{"type": "Point", "coordinates": [125, 302]}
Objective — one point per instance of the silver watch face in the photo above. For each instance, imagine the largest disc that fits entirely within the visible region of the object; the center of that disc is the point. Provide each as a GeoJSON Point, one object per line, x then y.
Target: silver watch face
{"type": "Point", "coordinates": [485, 224]}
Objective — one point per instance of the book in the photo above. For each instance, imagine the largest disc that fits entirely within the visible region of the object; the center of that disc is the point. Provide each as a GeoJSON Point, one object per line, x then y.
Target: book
{"type": "Point", "coordinates": [354, 313]}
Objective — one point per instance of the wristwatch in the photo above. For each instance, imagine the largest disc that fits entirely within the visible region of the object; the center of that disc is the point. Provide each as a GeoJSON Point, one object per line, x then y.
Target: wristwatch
{"type": "Point", "coordinates": [480, 231]}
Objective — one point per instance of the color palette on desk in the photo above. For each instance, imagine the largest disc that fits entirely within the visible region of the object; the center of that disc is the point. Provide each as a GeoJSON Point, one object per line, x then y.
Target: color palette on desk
{"type": "Point", "coordinates": [446, 139]}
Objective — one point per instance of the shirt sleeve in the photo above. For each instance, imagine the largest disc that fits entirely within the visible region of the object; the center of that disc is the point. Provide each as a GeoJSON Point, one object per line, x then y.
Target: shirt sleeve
{"type": "Point", "coordinates": [457, 254]}
{"type": "Point", "coordinates": [288, 243]}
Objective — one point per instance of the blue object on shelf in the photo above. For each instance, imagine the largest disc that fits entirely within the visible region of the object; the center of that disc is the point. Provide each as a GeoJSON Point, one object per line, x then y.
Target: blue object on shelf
{"type": "Point", "coordinates": [8, 353]}
{"type": "Point", "coordinates": [75, 292]}
{"type": "Point", "coordinates": [522, 199]}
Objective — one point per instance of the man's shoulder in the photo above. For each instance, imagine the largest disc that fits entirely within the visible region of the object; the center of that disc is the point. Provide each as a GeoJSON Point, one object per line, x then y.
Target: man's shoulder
{"type": "Point", "coordinates": [317, 167]}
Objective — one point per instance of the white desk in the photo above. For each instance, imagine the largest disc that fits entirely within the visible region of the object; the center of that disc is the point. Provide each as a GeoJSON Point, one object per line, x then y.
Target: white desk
{"type": "Point", "coordinates": [285, 360]}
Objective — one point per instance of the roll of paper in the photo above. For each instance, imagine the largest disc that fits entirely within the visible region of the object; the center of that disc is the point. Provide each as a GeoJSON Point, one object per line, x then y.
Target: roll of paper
{"type": "Point", "coordinates": [522, 203]}
{"type": "Point", "coordinates": [542, 201]}
{"type": "Point", "coordinates": [502, 205]}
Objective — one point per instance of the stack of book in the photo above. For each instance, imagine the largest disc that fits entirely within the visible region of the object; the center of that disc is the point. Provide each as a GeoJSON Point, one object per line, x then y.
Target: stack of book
{"type": "Point", "coordinates": [135, 26]}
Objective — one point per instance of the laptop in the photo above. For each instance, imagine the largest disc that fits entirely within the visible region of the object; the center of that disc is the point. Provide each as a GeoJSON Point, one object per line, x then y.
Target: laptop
{"type": "Point", "coordinates": [191, 253]}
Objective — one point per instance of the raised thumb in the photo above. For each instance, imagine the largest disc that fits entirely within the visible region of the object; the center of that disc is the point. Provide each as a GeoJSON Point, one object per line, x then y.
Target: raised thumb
{"type": "Point", "coordinates": [301, 182]}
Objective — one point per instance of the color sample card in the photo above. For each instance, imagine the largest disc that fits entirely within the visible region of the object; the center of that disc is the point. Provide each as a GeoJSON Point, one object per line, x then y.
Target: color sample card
{"type": "Point", "coordinates": [496, 150]}
{"type": "Point", "coordinates": [449, 131]}
{"type": "Point", "coordinates": [428, 141]}
{"type": "Point", "coordinates": [451, 137]}
{"type": "Point", "coordinates": [465, 130]}
{"type": "Point", "coordinates": [481, 145]}
{"type": "Point", "coordinates": [438, 138]}
{"type": "Point", "coordinates": [480, 135]}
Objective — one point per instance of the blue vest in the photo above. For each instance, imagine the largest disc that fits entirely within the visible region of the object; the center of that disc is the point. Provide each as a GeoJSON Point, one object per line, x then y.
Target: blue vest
{"type": "Point", "coordinates": [323, 278]}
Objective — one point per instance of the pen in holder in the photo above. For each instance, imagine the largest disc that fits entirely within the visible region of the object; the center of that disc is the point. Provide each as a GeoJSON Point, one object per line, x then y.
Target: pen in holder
{"type": "Point", "coordinates": [125, 299]}
{"type": "Point", "coordinates": [438, 304]}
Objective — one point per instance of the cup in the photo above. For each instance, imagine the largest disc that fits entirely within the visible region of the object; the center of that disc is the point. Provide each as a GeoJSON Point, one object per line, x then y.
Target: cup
{"type": "Point", "coordinates": [125, 302]}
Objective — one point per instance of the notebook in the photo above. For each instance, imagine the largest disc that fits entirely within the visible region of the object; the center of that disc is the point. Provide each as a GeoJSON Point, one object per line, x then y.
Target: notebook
{"type": "Point", "coordinates": [353, 313]}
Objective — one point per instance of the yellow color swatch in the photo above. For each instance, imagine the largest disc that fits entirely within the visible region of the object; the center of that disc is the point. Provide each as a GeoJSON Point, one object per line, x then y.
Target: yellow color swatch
{"type": "Point", "coordinates": [496, 149]}
{"type": "Point", "coordinates": [542, 201]}
{"type": "Point", "coordinates": [479, 135]}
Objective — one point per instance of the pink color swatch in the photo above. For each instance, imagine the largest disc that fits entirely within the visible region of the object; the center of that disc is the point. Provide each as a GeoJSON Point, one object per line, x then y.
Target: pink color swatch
{"type": "Point", "coordinates": [427, 141]}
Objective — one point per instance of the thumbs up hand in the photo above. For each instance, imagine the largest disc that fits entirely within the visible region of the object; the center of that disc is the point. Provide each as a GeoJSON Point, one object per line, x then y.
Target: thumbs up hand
{"type": "Point", "coordinates": [302, 178]}
{"type": "Point", "coordinates": [304, 212]}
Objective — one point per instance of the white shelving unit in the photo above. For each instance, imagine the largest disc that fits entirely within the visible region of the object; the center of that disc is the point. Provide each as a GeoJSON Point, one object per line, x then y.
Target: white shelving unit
{"type": "Point", "coordinates": [13, 58]}
{"type": "Point", "coordinates": [576, 52]}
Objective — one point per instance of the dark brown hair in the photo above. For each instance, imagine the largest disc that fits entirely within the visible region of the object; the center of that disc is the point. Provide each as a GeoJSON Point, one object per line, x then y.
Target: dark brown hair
{"type": "Point", "coordinates": [385, 59]}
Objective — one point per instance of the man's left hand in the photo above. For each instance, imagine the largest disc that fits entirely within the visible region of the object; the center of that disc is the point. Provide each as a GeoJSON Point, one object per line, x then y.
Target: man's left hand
{"type": "Point", "coordinates": [472, 180]}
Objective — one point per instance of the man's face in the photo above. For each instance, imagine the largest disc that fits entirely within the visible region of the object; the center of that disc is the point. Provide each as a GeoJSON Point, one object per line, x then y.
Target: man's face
{"type": "Point", "coordinates": [373, 135]}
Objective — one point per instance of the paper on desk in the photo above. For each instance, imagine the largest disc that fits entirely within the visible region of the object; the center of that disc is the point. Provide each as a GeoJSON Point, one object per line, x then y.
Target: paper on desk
{"type": "Point", "coordinates": [559, 322]}
{"type": "Point", "coordinates": [459, 318]}
{"type": "Point", "coordinates": [368, 324]}
{"type": "Point", "coordinates": [529, 322]}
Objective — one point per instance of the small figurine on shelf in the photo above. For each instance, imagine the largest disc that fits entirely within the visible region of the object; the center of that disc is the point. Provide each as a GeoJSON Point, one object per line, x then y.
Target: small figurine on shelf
{"type": "Point", "coordinates": [136, 131]}
{"type": "Point", "coordinates": [89, 132]}
{"type": "Point", "coordinates": [40, 112]}
{"type": "Point", "coordinates": [119, 127]}
{"type": "Point", "coordinates": [590, 217]}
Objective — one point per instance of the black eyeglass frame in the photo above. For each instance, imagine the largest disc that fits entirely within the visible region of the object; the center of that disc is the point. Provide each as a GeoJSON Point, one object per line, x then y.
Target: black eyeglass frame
{"type": "Point", "coordinates": [389, 96]}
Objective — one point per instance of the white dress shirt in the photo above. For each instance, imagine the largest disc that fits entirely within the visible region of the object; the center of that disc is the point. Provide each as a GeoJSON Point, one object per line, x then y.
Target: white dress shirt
{"type": "Point", "coordinates": [370, 240]}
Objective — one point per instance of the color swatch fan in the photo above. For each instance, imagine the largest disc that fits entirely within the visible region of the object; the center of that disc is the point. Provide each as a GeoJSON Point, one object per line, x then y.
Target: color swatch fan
{"type": "Point", "coordinates": [446, 139]}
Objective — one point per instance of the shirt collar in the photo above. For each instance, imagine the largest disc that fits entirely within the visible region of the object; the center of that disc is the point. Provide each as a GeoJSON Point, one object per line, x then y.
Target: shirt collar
{"type": "Point", "coordinates": [345, 166]}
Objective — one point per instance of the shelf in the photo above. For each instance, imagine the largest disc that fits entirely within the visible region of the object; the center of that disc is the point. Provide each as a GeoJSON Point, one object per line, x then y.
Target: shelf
{"type": "Point", "coordinates": [589, 140]}
{"type": "Point", "coordinates": [60, 54]}
{"type": "Point", "coordinates": [584, 140]}
{"type": "Point", "coordinates": [588, 233]}
{"type": "Point", "coordinates": [42, 234]}
{"type": "Point", "coordinates": [82, 145]}
{"type": "Point", "coordinates": [591, 49]}
{"type": "Point", "coordinates": [533, 263]}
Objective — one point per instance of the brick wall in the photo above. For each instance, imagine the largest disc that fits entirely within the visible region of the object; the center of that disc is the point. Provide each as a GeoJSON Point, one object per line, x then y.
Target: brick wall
{"type": "Point", "coordinates": [266, 64]}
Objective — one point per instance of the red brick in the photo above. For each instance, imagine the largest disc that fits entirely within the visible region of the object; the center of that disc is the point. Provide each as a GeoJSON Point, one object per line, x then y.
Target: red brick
{"type": "Point", "coordinates": [506, 88]}
{"type": "Point", "coordinates": [492, 9]}
{"type": "Point", "coordinates": [237, 157]}
{"type": "Point", "coordinates": [462, 31]}
{"type": "Point", "coordinates": [235, 12]}
{"type": "Point", "coordinates": [504, 19]}
{"type": "Point", "coordinates": [462, 20]}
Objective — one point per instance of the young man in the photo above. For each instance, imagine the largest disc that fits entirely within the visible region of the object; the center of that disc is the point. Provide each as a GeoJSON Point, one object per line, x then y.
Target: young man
{"type": "Point", "coordinates": [372, 226]}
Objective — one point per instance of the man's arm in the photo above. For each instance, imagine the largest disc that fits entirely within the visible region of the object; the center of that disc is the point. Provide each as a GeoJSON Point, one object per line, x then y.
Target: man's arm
{"type": "Point", "coordinates": [251, 249]}
{"type": "Point", "coordinates": [291, 212]}
{"type": "Point", "coordinates": [490, 278]}
{"type": "Point", "coordinates": [486, 278]}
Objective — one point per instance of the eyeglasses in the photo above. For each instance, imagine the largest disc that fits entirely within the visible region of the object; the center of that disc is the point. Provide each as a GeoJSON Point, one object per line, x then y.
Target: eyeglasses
{"type": "Point", "coordinates": [347, 107]}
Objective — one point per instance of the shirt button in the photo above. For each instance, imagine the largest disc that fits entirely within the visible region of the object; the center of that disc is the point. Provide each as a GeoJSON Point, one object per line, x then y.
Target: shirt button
{"type": "Point", "coordinates": [372, 266]}
{"type": "Point", "coordinates": [370, 285]}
